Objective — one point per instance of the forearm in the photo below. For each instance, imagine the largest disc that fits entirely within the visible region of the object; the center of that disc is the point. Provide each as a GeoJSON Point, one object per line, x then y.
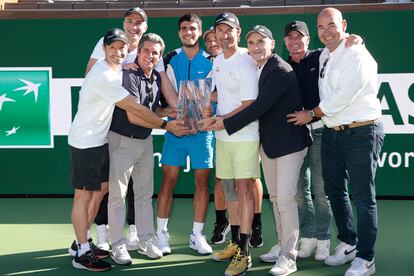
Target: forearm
{"type": "Point", "coordinates": [133, 119]}
{"type": "Point", "coordinates": [168, 91]}
{"type": "Point", "coordinates": [238, 109]}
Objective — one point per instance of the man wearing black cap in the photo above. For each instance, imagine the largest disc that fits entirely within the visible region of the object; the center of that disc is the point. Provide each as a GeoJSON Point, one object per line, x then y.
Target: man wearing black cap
{"type": "Point", "coordinates": [281, 155]}
{"type": "Point", "coordinates": [351, 140]}
{"type": "Point", "coordinates": [100, 92]}
{"type": "Point", "coordinates": [135, 25]}
{"type": "Point", "coordinates": [235, 77]}
{"type": "Point", "coordinates": [314, 215]}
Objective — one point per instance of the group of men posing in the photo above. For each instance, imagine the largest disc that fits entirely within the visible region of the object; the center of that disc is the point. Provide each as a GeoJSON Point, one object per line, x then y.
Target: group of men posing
{"type": "Point", "coordinates": [266, 107]}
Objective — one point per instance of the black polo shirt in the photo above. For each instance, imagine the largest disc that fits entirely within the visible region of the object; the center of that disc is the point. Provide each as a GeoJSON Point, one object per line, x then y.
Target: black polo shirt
{"type": "Point", "coordinates": [307, 73]}
{"type": "Point", "coordinates": [139, 87]}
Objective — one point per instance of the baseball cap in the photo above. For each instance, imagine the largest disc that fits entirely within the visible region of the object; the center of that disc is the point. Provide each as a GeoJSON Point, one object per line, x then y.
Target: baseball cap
{"type": "Point", "coordinates": [115, 35]}
{"type": "Point", "coordinates": [298, 26]}
{"type": "Point", "coordinates": [262, 30]}
{"type": "Point", "coordinates": [206, 32]}
{"type": "Point", "coordinates": [227, 18]}
{"type": "Point", "coordinates": [138, 11]}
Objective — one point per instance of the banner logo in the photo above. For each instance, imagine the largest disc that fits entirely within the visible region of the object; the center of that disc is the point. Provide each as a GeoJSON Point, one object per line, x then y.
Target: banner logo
{"type": "Point", "coordinates": [25, 108]}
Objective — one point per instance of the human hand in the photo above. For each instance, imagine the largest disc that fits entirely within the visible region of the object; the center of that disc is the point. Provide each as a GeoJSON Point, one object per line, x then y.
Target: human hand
{"type": "Point", "coordinates": [299, 118]}
{"type": "Point", "coordinates": [177, 128]}
{"type": "Point", "coordinates": [130, 66]}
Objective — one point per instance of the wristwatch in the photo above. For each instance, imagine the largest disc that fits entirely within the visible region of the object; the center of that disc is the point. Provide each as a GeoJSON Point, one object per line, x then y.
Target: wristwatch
{"type": "Point", "coordinates": [164, 124]}
{"type": "Point", "coordinates": [312, 113]}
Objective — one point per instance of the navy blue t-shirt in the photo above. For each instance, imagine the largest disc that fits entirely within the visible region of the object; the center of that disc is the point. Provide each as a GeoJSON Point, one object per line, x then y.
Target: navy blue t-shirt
{"type": "Point", "coordinates": [307, 73]}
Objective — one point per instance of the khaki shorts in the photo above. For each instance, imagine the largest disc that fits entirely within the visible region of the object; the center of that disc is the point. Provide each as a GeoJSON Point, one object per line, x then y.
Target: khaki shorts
{"type": "Point", "coordinates": [237, 160]}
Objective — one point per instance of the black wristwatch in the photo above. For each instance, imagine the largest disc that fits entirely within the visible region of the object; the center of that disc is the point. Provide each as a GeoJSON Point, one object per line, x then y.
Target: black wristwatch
{"type": "Point", "coordinates": [164, 124]}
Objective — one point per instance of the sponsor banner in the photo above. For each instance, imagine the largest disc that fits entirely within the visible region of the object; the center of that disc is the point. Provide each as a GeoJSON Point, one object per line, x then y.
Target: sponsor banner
{"type": "Point", "coordinates": [25, 108]}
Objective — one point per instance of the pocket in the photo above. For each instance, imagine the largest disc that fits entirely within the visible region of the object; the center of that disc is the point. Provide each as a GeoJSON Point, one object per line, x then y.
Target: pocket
{"type": "Point", "coordinates": [363, 131]}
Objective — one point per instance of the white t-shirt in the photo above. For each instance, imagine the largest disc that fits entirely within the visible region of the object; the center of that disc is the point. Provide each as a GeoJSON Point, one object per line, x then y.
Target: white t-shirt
{"type": "Point", "coordinates": [100, 91]}
{"type": "Point", "coordinates": [236, 81]}
{"type": "Point", "coordinates": [98, 53]}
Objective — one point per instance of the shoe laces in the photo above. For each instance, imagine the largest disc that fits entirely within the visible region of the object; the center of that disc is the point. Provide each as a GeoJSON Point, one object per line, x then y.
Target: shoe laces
{"type": "Point", "coordinates": [238, 257]}
{"type": "Point", "coordinates": [283, 261]}
{"type": "Point", "coordinates": [92, 256]}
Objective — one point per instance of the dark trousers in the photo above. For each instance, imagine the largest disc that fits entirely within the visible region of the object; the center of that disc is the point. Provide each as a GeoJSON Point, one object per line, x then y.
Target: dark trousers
{"type": "Point", "coordinates": [102, 215]}
{"type": "Point", "coordinates": [351, 156]}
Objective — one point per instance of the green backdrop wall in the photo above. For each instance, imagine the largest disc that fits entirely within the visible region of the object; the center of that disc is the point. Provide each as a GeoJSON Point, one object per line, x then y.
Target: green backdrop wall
{"type": "Point", "coordinates": [65, 46]}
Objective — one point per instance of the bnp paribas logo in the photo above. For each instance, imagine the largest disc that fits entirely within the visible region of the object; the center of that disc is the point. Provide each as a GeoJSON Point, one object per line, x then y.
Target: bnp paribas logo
{"type": "Point", "coordinates": [25, 108]}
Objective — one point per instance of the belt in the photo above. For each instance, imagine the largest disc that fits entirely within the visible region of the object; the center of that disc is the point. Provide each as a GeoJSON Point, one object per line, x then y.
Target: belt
{"type": "Point", "coordinates": [354, 125]}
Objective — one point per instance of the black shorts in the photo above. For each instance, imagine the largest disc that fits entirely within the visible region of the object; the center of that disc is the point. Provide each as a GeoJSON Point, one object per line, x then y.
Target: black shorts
{"type": "Point", "coordinates": [89, 167]}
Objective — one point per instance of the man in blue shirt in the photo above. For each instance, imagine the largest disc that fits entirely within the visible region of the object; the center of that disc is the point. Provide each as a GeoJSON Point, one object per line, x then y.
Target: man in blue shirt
{"type": "Point", "coordinates": [189, 62]}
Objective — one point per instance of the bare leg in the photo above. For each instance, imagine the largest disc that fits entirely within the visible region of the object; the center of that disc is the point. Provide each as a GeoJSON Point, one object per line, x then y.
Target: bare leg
{"type": "Point", "coordinates": [201, 195]}
{"type": "Point", "coordinates": [170, 176]}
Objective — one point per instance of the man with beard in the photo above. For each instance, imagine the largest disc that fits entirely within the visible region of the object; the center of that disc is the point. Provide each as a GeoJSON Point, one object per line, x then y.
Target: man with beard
{"type": "Point", "coordinates": [189, 62]}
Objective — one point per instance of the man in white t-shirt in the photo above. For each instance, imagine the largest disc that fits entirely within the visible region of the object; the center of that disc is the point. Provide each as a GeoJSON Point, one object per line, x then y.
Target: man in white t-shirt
{"type": "Point", "coordinates": [101, 91]}
{"type": "Point", "coordinates": [237, 156]}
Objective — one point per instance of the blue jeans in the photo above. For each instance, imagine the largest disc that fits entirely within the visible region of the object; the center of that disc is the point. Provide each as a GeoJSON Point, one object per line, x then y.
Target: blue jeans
{"type": "Point", "coordinates": [351, 156]}
{"type": "Point", "coordinates": [315, 216]}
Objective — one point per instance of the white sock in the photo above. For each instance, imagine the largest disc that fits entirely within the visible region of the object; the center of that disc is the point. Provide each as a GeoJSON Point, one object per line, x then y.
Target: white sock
{"type": "Point", "coordinates": [83, 248]}
{"type": "Point", "coordinates": [162, 224]}
{"type": "Point", "coordinates": [198, 228]}
{"type": "Point", "coordinates": [88, 234]}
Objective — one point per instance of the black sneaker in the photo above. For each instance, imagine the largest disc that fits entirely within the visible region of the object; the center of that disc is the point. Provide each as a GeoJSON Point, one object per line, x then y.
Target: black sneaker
{"type": "Point", "coordinates": [220, 232]}
{"type": "Point", "coordinates": [90, 261]}
{"type": "Point", "coordinates": [99, 252]}
{"type": "Point", "coordinates": [256, 240]}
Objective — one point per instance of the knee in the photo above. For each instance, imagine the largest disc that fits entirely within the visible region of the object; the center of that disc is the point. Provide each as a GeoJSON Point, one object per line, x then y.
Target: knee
{"type": "Point", "coordinates": [82, 197]}
{"type": "Point", "coordinates": [244, 192]}
{"type": "Point", "coordinates": [285, 204]}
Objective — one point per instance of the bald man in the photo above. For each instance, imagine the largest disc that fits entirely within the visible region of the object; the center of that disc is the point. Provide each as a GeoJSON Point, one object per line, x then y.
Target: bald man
{"type": "Point", "coordinates": [351, 140]}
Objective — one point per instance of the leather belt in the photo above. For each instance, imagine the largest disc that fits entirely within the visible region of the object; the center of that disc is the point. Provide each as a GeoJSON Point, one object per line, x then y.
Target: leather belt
{"type": "Point", "coordinates": [354, 125]}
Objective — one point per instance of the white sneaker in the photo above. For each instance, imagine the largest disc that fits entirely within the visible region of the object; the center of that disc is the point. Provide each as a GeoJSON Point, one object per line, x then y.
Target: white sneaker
{"type": "Point", "coordinates": [361, 267]}
{"type": "Point", "coordinates": [102, 241]}
{"type": "Point", "coordinates": [163, 242]}
{"type": "Point", "coordinates": [322, 250]}
{"type": "Point", "coordinates": [272, 255]}
{"type": "Point", "coordinates": [344, 253]}
{"type": "Point", "coordinates": [306, 247]}
{"type": "Point", "coordinates": [199, 243]}
{"type": "Point", "coordinates": [120, 255]}
{"type": "Point", "coordinates": [132, 238]}
{"type": "Point", "coordinates": [150, 249]}
{"type": "Point", "coordinates": [284, 266]}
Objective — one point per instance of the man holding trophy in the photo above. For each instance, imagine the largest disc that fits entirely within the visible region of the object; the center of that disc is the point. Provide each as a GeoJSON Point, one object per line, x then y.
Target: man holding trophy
{"type": "Point", "coordinates": [187, 68]}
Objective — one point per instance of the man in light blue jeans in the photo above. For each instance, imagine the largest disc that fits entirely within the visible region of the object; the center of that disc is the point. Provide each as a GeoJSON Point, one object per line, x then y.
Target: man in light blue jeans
{"type": "Point", "coordinates": [315, 215]}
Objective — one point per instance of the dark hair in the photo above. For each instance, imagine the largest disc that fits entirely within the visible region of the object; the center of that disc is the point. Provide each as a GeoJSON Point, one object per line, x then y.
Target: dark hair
{"type": "Point", "coordinates": [151, 37]}
{"type": "Point", "coordinates": [190, 17]}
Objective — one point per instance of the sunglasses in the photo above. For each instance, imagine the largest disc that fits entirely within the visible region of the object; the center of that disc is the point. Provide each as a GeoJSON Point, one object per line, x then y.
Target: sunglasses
{"type": "Point", "coordinates": [322, 73]}
{"type": "Point", "coordinates": [150, 94]}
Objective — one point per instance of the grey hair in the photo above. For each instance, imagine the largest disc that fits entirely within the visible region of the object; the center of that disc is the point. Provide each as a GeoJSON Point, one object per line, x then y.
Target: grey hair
{"type": "Point", "coordinates": [154, 38]}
